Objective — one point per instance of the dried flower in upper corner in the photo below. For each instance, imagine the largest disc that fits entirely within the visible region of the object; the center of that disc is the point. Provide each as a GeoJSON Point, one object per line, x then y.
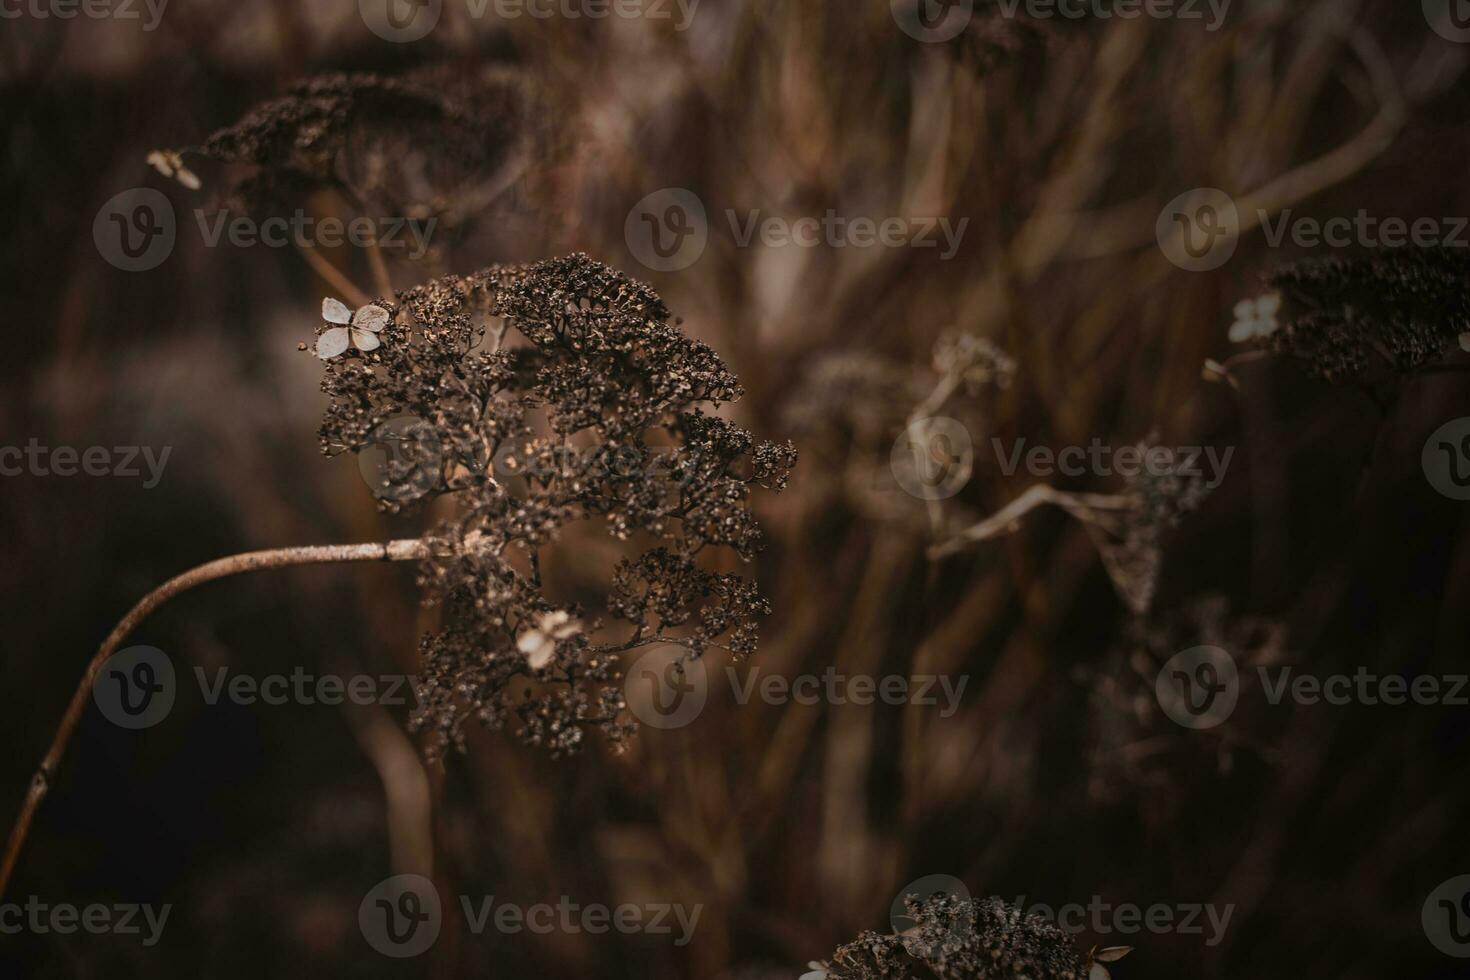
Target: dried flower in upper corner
{"type": "Point", "coordinates": [968, 939]}
{"type": "Point", "coordinates": [1387, 313]}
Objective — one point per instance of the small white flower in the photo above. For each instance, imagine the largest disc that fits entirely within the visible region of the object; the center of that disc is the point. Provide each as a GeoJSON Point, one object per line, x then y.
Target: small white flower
{"type": "Point", "coordinates": [168, 163]}
{"type": "Point", "coordinates": [360, 328]}
{"type": "Point", "coordinates": [1465, 342]}
{"type": "Point", "coordinates": [539, 643]}
{"type": "Point", "coordinates": [1255, 318]}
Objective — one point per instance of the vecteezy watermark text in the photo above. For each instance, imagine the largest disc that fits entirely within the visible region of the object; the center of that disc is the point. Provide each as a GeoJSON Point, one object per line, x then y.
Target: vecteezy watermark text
{"type": "Point", "coordinates": [1120, 9]}
{"type": "Point", "coordinates": [306, 231]}
{"type": "Point", "coordinates": [1200, 687]}
{"type": "Point", "coordinates": [401, 916]}
{"type": "Point", "coordinates": [65, 918]}
{"type": "Point", "coordinates": [409, 20]}
{"type": "Point", "coordinates": [664, 688]}
{"type": "Point", "coordinates": [122, 461]}
{"type": "Point", "coordinates": [1102, 460]}
{"type": "Point", "coordinates": [91, 9]}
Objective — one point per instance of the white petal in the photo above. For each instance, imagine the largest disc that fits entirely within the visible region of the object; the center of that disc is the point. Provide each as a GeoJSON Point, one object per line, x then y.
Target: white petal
{"type": "Point", "coordinates": [1465, 342]}
{"type": "Point", "coordinates": [363, 340]}
{"type": "Point", "coordinates": [370, 317]}
{"type": "Point", "coordinates": [335, 311]}
{"type": "Point", "coordinates": [1244, 309]}
{"type": "Point", "coordinates": [188, 178]}
{"type": "Point", "coordinates": [1270, 304]}
{"type": "Point", "coordinates": [331, 343]}
{"type": "Point", "coordinates": [1266, 327]}
{"type": "Point", "coordinates": [538, 648]}
{"type": "Point", "coordinates": [1241, 331]}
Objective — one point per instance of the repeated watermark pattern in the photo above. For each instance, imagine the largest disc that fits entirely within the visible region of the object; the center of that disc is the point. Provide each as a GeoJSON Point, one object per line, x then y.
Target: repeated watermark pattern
{"type": "Point", "coordinates": [1100, 459]}
{"type": "Point", "coordinates": [665, 688]}
{"type": "Point", "coordinates": [1097, 915]}
{"type": "Point", "coordinates": [147, 13]}
{"type": "Point", "coordinates": [98, 918]}
{"type": "Point", "coordinates": [137, 230]}
{"type": "Point", "coordinates": [1446, 917]}
{"type": "Point", "coordinates": [402, 916]}
{"type": "Point", "coordinates": [1199, 230]}
{"type": "Point", "coordinates": [403, 21]}
{"type": "Point", "coordinates": [1201, 687]}
{"type": "Point", "coordinates": [1211, 12]}
{"type": "Point", "coordinates": [669, 230]}
{"type": "Point", "coordinates": [67, 461]}
{"type": "Point", "coordinates": [137, 688]}
{"type": "Point", "coordinates": [1446, 459]}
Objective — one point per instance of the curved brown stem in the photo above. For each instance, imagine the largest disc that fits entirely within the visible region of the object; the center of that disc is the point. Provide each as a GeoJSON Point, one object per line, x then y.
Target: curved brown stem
{"type": "Point", "coordinates": [250, 561]}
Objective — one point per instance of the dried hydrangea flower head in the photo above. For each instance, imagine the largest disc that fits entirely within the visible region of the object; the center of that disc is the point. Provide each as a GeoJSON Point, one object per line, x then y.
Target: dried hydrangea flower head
{"type": "Point", "coordinates": [967, 939]}
{"type": "Point", "coordinates": [412, 145]}
{"type": "Point", "coordinates": [545, 397]}
{"type": "Point", "coordinates": [1391, 312]}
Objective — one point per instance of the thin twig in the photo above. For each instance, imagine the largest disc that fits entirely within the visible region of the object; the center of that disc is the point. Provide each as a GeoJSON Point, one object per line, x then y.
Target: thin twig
{"type": "Point", "coordinates": [403, 550]}
{"type": "Point", "coordinates": [1083, 506]}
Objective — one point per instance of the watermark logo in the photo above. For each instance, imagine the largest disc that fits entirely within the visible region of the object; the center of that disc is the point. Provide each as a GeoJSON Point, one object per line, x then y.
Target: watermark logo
{"type": "Point", "coordinates": [1450, 19]}
{"type": "Point", "coordinates": [150, 12]}
{"type": "Point", "coordinates": [933, 458]}
{"type": "Point", "coordinates": [923, 889]}
{"type": "Point", "coordinates": [135, 687]}
{"type": "Point", "coordinates": [932, 21]}
{"type": "Point", "coordinates": [135, 230]}
{"type": "Point", "coordinates": [1446, 459]}
{"type": "Point", "coordinates": [1199, 687]}
{"type": "Point", "coordinates": [666, 688]}
{"type": "Point", "coordinates": [668, 230]}
{"type": "Point", "coordinates": [1446, 917]}
{"type": "Point", "coordinates": [401, 916]}
{"type": "Point", "coordinates": [403, 459]}
{"type": "Point", "coordinates": [308, 231]}
{"type": "Point", "coordinates": [1199, 230]}
{"type": "Point", "coordinates": [400, 21]}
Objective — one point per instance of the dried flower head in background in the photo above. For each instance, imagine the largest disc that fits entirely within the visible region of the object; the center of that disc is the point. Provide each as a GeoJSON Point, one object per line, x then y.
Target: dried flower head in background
{"type": "Point", "coordinates": [1159, 497]}
{"type": "Point", "coordinates": [962, 939]}
{"type": "Point", "coordinates": [556, 394]}
{"type": "Point", "coordinates": [1396, 310]}
{"type": "Point", "coordinates": [424, 143]}
{"type": "Point", "coordinates": [974, 360]}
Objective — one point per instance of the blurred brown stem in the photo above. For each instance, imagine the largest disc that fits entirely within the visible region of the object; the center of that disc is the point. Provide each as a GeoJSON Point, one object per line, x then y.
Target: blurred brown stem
{"type": "Point", "coordinates": [402, 550]}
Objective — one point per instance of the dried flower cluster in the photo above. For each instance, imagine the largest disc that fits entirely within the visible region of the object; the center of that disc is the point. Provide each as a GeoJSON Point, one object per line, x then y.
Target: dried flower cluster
{"type": "Point", "coordinates": [1398, 309]}
{"type": "Point", "coordinates": [1158, 498]}
{"type": "Point", "coordinates": [962, 939]}
{"type": "Point", "coordinates": [410, 145]}
{"type": "Point", "coordinates": [524, 382]}
{"type": "Point", "coordinates": [1127, 714]}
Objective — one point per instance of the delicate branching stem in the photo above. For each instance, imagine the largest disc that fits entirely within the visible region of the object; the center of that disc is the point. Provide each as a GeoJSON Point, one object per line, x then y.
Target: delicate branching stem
{"type": "Point", "coordinates": [403, 550]}
{"type": "Point", "coordinates": [1083, 506]}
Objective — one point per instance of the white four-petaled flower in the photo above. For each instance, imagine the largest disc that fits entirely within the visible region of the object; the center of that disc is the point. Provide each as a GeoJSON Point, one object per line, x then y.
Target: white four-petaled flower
{"type": "Point", "coordinates": [1255, 319]}
{"type": "Point", "coordinates": [360, 329]}
{"type": "Point", "coordinates": [539, 643]}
